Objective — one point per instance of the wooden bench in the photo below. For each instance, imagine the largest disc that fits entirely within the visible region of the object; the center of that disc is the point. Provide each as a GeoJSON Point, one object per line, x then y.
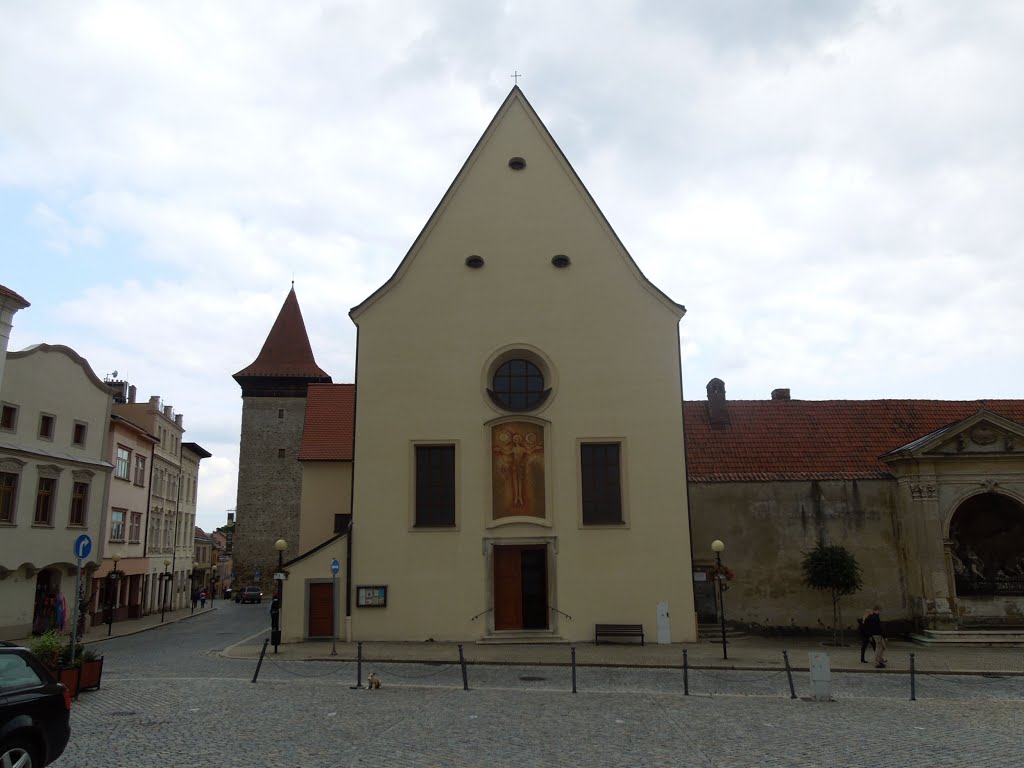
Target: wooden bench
{"type": "Point", "coordinates": [618, 630]}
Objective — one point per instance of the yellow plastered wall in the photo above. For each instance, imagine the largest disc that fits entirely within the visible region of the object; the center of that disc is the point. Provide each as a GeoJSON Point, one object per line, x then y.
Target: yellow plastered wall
{"type": "Point", "coordinates": [425, 344]}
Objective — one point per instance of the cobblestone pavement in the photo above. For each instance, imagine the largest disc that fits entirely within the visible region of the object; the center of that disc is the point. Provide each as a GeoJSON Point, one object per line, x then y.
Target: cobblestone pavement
{"type": "Point", "coordinates": [303, 722]}
{"type": "Point", "coordinates": [170, 699]}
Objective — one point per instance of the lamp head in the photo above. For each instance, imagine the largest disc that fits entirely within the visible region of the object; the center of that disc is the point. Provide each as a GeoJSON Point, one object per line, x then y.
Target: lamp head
{"type": "Point", "coordinates": [116, 558]}
{"type": "Point", "coordinates": [167, 564]}
{"type": "Point", "coordinates": [718, 545]}
{"type": "Point", "coordinates": [280, 545]}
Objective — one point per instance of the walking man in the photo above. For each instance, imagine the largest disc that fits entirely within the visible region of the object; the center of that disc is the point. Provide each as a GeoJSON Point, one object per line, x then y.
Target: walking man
{"type": "Point", "coordinates": [873, 629]}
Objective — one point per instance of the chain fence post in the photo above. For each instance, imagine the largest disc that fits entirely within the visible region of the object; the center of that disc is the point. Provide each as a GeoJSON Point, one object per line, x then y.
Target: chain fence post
{"type": "Point", "coordinates": [686, 674]}
{"type": "Point", "coordinates": [789, 674]}
{"type": "Point", "coordinates": [462, 663]}
{"type": "Point", "coordinates": [359, 666]}
{"type": "Point", "coordinates": [573, 669]}
{"type": "Point", "coordinates": [263, 650]}
{"type": "Point", "coordinates": [913, 682]}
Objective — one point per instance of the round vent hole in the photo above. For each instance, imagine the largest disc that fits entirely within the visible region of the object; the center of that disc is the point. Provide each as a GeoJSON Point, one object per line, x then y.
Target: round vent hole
{"type": "Point", "coordinates": [517, 163]}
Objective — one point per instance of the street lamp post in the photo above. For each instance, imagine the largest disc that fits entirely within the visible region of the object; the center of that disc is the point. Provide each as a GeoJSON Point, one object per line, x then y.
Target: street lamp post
{"type": "Point", "coordinates": [718, 547]}
{"type": "Point", "coordinates": [113, 575]}
{"type": "Point", "coordinates": [277, 605]}
{"type": "Point", "coordinates": [165, 577]}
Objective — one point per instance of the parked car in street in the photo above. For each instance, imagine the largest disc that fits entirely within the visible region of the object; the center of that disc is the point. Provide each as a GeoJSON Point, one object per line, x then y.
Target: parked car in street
{"type": "Point", "coordinates": [35, 710]}
{"type": "Point", "coordinates": [249, 595]}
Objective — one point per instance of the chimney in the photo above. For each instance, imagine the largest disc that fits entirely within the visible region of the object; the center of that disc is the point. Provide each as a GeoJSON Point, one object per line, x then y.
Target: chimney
{"type": "Point", "coordinates": [119, 390]}
{"type": "Point", "coordinates": [178, 419]}
{"type": "Point", "coordinates": [168, 411]}
{"type": "Point", "coordinates": [132, 392]}
{"type": "Point", "coordinates": [717, 412]}
{"type": "Point", "coordinates": [154, 402]}
{"type": "Point", "coordinates": [780, 394]}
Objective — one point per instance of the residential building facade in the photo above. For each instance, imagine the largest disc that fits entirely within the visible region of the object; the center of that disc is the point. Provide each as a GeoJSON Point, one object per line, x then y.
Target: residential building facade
{"type": "Point", "coordinates": [121, 586]}
{"type": "Point", "coordinates": [54, 484]}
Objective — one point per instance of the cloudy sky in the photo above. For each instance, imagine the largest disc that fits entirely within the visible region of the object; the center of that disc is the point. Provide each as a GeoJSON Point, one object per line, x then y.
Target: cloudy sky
{"type": "Point", "coordinates": [833, 189]}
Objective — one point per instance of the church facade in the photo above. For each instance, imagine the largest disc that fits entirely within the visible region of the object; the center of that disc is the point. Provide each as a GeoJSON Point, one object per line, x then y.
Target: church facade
{"type": "Point", "coordinates": [515, 462]}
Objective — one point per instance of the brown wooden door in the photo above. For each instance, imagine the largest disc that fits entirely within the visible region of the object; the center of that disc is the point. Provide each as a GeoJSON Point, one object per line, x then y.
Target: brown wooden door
{"type": "Point", "coordinates": [321, 610]}
{"type": "Point", "coordinates": [508, 588]}
{"type": "Point", "coordinates": [520, 587]}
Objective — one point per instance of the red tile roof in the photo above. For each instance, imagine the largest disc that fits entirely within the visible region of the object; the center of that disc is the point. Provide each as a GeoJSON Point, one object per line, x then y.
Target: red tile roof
{"type": "Point", "coordinates": [816, 439]}
{"type": "Point", "coordinates": [286, 352]}
{"type": "Point", "coordinates": [329, 430]}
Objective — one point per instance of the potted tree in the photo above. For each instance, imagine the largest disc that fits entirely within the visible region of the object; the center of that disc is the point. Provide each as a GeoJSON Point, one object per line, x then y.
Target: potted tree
{"type": "Point", "coordinates": [50, 649]}
{"type": "Point", "coordinates": [89, 664]}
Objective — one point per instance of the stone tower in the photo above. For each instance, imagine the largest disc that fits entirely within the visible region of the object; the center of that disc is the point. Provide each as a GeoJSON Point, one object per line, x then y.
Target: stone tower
{"type": "Point", "coordinates": [269, 473]}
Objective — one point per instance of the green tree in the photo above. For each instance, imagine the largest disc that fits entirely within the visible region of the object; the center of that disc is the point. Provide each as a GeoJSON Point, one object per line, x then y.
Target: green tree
{"type": "Point", "coordinates": [832, 568]}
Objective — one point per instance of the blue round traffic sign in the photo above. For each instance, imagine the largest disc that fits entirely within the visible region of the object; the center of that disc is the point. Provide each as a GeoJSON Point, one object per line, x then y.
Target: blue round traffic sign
{"type": "Point", "coordinates": [335, 566]}
{"type": "Point", "coordinates": [83, 546]}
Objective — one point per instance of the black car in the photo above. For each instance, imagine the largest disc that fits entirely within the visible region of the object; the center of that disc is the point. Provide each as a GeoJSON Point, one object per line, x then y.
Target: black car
{"type": "Point", "coordinates": [35, 711]}
{"type": "Point", "coordinates": [249, 595]}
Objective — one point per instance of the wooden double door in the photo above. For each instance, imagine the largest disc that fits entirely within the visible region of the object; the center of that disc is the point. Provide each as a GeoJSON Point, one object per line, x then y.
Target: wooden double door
{"type": "Point", "coordinates": [521, 587]}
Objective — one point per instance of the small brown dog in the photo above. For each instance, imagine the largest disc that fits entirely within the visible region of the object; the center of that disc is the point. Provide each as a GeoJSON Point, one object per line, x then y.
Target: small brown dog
{"type": "Point", "coordinates": [372, 681]}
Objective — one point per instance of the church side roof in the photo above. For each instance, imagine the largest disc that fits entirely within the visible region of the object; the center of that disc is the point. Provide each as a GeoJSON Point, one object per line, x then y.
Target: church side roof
{"type": "Point", "coordinates": [767, 440]}
{"type": "Point", "coordinates": [286, 352]}
{"type": "Point", "coordinates": [328, 433]}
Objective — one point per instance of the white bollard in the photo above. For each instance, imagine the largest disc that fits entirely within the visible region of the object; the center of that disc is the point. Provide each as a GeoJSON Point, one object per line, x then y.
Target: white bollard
{"type": "Point", "coordinates": [821, 677]}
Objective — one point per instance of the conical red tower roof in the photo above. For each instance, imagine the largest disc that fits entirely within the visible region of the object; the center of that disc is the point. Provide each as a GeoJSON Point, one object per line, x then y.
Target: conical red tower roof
{"type": "Point", "coordinates": [286, 354]}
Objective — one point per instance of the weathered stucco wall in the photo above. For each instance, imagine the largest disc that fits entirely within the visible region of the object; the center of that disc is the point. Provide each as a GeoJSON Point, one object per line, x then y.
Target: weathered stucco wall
{"type": "Point", "coordinates": [767, 527]}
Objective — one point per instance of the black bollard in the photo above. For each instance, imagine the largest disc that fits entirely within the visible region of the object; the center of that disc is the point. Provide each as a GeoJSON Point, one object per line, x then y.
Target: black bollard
{"type": "Point", "coordinates": [686, 674]}
{"type": "Point", "coordinates": [913, 683]}
{"type": "Point", "coordinates": [359, 666]}
{"type": "Point", "coordinates": [462, 663]}
{"type": "Point", "coordinates": [266, 642]}
{"type": "Point", "coordinates": [789, 674]}
{"type": "Point", "coordinates": [574, 669]}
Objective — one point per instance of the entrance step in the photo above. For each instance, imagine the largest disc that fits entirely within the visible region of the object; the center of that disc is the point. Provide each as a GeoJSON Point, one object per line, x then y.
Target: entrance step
{"type": "Point", "coordinates": [1006, 638]}
{"type": "Point", "coordinates": [712, 632]}
{"type": "Point", "coordinates": [522, 637]}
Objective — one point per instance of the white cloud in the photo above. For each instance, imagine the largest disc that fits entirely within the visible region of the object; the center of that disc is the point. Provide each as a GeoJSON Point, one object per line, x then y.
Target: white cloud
{"type": "Point", "coordinates": [833, 189]}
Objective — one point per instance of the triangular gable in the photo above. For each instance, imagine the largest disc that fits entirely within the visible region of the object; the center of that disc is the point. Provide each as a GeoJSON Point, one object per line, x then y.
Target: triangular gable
{"type": "Point", "coordinates": [983, 433]}
{"type": "Point", "coordinates": [514, 98]}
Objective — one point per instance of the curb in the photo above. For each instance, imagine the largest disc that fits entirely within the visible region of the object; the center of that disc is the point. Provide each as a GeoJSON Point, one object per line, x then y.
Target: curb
{"type": "Point", "coordinates": [139, 630]}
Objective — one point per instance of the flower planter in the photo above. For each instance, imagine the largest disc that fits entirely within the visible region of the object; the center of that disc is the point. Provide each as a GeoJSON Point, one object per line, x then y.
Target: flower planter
{"type": "Point", "coordinates": [70, 676]}
{"type": "Point", "coordinates": [92, 672]}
